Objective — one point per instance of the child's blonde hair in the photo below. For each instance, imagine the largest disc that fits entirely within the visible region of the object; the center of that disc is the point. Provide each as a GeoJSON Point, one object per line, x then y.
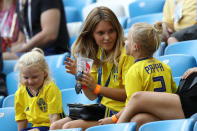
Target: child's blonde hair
{"type": "Point", "coordinates": [34, 58]}
{"type": "Point", "coordinates": [147, 36]}
{"type": "Point", "coordinates": [85, 44]}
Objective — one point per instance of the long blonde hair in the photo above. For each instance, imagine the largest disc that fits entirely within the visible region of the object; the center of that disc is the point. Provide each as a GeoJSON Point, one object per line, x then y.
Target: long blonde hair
{"type": "Point", "coordinates": [147, 36]}
{"type": "Point", "coordinates": [33, 58]}
{"type": "Point", "coordinates": [85, 44]}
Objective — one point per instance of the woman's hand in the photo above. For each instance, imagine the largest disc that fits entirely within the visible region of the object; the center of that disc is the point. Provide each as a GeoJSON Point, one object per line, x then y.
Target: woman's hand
{"type": "Point", "coordinates": [107, 120]}
{"type": "Point", "coordinates": [88, 81]}
{"type": "Point", "coordinates": [189, 72]}
{"type": "Point", "coordinates": [70, 65]}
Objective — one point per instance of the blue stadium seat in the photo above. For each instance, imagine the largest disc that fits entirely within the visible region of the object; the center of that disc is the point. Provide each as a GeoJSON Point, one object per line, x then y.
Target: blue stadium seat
{"type": "Point", "coordinates": [195, 127]}
{"type": "Point", "coordinates": [131, 126]}
{"type": "Point", "coordinates": [169, 125]}
{"type": "Point", "coordinates": [160, 50]}
{"type": "Point", "coordinates": [72, 40]}
{"type": "Point", "coordinates": [142, 7]}
{"type": "Point", "coordinates": [176, 80]}
{"type": "Point", "coordinates": [8, 101]}
{"type": "Point", "coordinates": [72, 14]}
{"type": "Point", "coordinates": [69, 96]}
{"type": "Point", "coordinates": [55, 61]}
{"type": "Point", "coordinates": [185, 47]}
{"type": "Point", "coordinates": [8, 66]}
{"type": "Point", "coordinates": [178, 63]}
{"type": "Point", "coordinates": [12, 82]}
{"type": "Point", "coordinates": [62, 78]}
{"type": "Point", "coordinates": [148, 18]}
{"type": "Point", "coordinates": [71, 129]}
{"type": "Point", "coordinates": [123, 21]}
{"type": "Point", "coordinates": [1, 100]}
{"type": "Point", "coordinates": [7, 119]}
{"type": "Point", "coordinates": [78, 4]}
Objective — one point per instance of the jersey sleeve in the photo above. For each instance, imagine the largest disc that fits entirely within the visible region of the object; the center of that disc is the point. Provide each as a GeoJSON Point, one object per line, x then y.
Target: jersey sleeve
{"type": "Point", "coordinates": [54, 99]}
{"type": "Point", "coordinates": [168, 16]}
{"type": "Point", "coordinates": [19, 107]}
{"type": "Point", "coordinates": [50, 4]}
{"type": "Point", "coordinates": [133, 83]}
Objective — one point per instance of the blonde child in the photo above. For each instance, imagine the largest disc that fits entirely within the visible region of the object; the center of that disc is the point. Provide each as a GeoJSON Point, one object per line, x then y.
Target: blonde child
{"type": "Point", "coordinates": [102, 40]}
{"type": "Point", "coordinates": [148, 73]}
{"type": "Point", "coordinates": [38, 99]}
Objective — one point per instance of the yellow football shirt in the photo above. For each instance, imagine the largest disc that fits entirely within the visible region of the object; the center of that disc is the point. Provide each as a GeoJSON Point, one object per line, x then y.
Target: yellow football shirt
{"type": "Point", "coordinates": [117, 78]}
{"type": "Point", "coordinates": [36, 109]}
{"type": "Point", "coordinates": [149, 74]}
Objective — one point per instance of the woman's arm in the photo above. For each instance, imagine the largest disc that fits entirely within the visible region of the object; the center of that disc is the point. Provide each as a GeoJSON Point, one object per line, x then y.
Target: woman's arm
{"type": "Point", "coordinates": [113, 93]}
{"type": "Point", "coordinates": [22, 124]}
{"type": "Point", "coordinates": [50, 20]}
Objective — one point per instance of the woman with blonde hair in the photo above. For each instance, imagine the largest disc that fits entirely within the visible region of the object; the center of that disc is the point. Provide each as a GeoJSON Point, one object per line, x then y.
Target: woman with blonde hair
{"type": "Point", "coordinates": [102, 40]}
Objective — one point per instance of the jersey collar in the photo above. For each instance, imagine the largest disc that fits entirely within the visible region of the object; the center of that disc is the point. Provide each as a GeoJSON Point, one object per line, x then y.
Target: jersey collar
{"type": "Point", "coordinates": [141, 59]}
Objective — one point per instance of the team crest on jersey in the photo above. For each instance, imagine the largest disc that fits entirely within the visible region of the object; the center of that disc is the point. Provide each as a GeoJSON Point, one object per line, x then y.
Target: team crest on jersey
{"type": "Point", "coordinates": [42, 105]}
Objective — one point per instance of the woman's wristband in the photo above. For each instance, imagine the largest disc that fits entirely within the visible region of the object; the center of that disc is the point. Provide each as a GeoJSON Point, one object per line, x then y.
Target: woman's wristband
{"type": "Point", "coordinates": [97, 89]}
{"type": "Point", "coordinates": [114, 118]}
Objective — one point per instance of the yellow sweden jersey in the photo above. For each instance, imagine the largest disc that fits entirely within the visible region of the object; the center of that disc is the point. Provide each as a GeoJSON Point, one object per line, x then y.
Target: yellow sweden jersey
{"type": "Point", "coordinates": [149, 75]}
{"type": "Point", "coordinates": [117, 78]}
{"type": "Point", "coordinates": [36, 109]}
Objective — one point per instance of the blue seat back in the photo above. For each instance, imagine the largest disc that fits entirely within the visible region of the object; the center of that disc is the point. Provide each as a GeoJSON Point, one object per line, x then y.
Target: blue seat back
{"type": "Point", "coordinates": [69, 96]}
{"type": "Point", "coordinates": [131, 126]}
{"type": "Point", "coordinates": [12, 82]}
{"type": "Point", "coordinates": [195, 127]}
{"type": "Point", "coordinates": [71, 129]}
{"type": "Point", "coordinates": [8, 101]}
{"type": "Point", "coordinates": [185, 47]}
{"type": "Point", "coordinates": [149, 18]}
{"type": "Point", "coordinates": [142, 7]}
{"type": "Point", "coordinates": [178, 63]}
{"type": "Point", "coordinates": [63, 79]}
{"type": "Point", "coordinates": [8, 66]}
{"type": "Point", "coordinates": [7, 119]}
{"type": "Point", "coordinates": [169, 125]}
{"type": "Point", "coordinates": [72, 14]}
{"type": "Point", "coordinates": [176, 80]}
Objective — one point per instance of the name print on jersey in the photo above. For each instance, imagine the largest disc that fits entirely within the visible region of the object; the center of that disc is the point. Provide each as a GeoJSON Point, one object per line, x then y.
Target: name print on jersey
{"type": "Point", "coordinates": [154, 67]}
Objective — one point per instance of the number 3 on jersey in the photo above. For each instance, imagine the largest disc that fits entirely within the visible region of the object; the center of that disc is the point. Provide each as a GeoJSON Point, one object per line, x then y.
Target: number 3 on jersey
{"type": "Point", "coordinates": [163, 87]}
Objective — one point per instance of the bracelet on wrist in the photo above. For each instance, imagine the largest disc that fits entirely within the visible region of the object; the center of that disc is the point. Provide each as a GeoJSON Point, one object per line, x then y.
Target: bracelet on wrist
{"type": "Point", "coordinates": [114, 118]}
{"type": "Point", "coordinates": [97, 89]}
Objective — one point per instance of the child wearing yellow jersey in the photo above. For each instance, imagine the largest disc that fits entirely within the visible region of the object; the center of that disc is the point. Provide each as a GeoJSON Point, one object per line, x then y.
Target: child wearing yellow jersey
{"type": "Point", "coordinates": [38, 100]}
{"type": "Point", "coordinates": [102, 40]}
{"type": "Point", "coordinates": [148, 73]}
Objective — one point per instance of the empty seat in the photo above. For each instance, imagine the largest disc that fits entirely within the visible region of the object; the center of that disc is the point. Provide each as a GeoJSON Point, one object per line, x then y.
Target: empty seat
{"type": "Point", "coordinates": [178, 63]}
{"type": "Point", "coordinates": [169, 125]}
{"type": "Point", "coordinates": [8, 66]}
{"type": "Point", "coordinates": [184, 47]}
{"type": "Point", "coordinates": [63, 79]}
{"type": "Point", "coordinates": [195, 127]}
{"type": "Point", "coordinates": [72, 14]}
{"type": "Point", "coordinates": [177, 79]}
{"type": "Point", "coordinates": [131, 126]}
{"type": "Point", "coordinates": [69, 96]}
{"type": "Point", "coordinates": [8, 101]}
{"type": "Point", "coordinates": [142, 7]}
{"type": "Point", "coordinates": [71, 129]}
{"type": "Point", "coordinates": [148, 18]}
{"type": "Point", "coordinates": [7, 119]}
{"type": "Point", "coordinates": [12, 82]}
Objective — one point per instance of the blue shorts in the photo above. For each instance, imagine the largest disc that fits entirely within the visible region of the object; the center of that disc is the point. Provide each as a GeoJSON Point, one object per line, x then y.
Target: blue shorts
{"type": "Point", "coordinates": [41, 128]}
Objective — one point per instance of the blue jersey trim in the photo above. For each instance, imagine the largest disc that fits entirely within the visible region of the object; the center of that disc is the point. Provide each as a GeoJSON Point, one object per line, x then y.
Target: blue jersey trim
{"type": "Point", "coordinates": [141, 59]}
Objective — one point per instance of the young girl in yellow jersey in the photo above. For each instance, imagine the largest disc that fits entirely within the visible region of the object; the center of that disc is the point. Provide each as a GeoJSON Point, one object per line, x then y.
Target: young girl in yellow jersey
{"type": "Point", "coordinates": [101, 39]}
{"type": "Point", "coordinates": [38, 100]}
{"type": "Point", "coordinates": [148, 73]}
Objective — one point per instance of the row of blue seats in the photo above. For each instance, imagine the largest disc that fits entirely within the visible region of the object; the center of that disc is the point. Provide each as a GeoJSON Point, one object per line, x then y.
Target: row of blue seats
{"type": "Point", "coordinates": [74, 13]}
{"type": "Point", "coordinates": [7, 123]}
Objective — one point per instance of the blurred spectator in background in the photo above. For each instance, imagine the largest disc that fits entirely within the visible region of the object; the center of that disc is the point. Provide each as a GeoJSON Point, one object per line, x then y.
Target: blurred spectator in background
{"type": "Point", "coordinates": [42, 24]}
{"type": "Point", "coordinates": [179, 21]}
{"type": "Point", "coordinates": [8, 23]}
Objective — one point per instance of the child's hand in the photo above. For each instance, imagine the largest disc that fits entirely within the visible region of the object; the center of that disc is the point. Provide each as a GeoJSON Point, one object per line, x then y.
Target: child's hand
{"type": "Point", "coordinates": [70, 65]}
{"type": "Point", "coordinates": [88, 81]}
{"type": "Point", "coordinates": [107, 120]}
